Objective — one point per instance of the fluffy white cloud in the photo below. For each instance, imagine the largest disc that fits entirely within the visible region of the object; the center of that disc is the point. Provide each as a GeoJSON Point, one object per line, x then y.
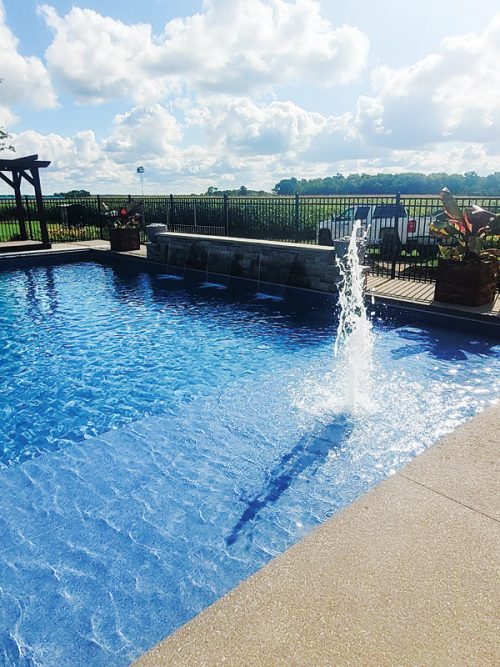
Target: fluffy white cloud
{"type": "Point", "coordinates": [7, 118]}
{"type": "Point", "coordinates": [237, 142]}
{"type": "Point", "coordinates": [98, 58]}
{"type": "Point", "coordinates": [440, 114]}
{"type": "Point", "coordinates": [78, 161]}
{"type": "Point", "coordinates": [450, 95]}
{"type": "Point", "coordinates": [234, 46]}
{"type": "Point", "coordinates": [24, 78]}
{"type": "Point", "coordinates": [143, 133]}
{"type": "Point", "coordinates": [245, 128]}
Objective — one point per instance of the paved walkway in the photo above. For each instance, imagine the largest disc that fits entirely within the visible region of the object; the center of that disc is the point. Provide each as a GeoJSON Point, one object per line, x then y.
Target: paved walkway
{"type": "Point", "coordinates": [407, 575]}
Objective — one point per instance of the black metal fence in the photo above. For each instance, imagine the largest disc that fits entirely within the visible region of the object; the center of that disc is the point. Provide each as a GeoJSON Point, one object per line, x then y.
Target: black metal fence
{"type": "Point", "coordinates": [397, 227]}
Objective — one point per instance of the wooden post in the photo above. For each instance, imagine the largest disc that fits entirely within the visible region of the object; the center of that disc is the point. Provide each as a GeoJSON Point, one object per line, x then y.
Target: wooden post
{"type": "Point", "coordinates": [40, 207]}
{"type": "Point", "coordinates": [16, 177]}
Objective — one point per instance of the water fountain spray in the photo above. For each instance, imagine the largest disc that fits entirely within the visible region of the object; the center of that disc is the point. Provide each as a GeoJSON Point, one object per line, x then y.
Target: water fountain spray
{"type": "Point", "coordinates": [354, 341]}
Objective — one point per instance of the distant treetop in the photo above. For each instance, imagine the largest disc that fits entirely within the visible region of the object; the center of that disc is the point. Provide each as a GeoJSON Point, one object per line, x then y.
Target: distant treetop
{"type": "Point", "coordinates": [243, 191]}
{"type": "Point", "coordinates": [406, 183]}
{"type": "Point", "coordinates": [73, 193]}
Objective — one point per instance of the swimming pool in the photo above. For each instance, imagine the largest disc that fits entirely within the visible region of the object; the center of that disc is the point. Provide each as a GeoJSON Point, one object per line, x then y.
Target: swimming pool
{"type": "Point", "coordinates": [164, 438]}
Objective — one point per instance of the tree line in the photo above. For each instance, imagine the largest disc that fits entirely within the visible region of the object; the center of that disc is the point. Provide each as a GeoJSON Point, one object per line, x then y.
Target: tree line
{"type": "Point", "coordinates": [413, 183]}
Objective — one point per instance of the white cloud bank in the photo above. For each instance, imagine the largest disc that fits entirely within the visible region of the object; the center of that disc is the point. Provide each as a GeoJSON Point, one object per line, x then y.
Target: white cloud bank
{"type": "Point", "coordinates": [450, 95]}
{"type": "Point", "coordinates": [442, 113]}
{"type": "Point", "coordinates": [25, 79]}
{"type": "Point", "coordinates": [232, 46]}
{"type": "Point", "coordinates": [241, 143]}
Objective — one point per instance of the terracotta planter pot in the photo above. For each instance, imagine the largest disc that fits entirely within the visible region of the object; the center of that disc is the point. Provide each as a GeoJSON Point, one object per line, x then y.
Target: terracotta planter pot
{"type": "Point", "coordinates": [123, 239]}
{"type": "Point", "coordinates": [466, 283]}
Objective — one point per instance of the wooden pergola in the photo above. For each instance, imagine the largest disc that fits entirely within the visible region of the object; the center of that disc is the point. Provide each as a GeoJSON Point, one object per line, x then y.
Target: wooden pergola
{"type": "Point", "coordinates": [28, 168]}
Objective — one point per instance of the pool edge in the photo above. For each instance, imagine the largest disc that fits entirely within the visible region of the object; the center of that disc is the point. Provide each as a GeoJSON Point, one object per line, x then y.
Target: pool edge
{"type": "Point", "coordinates": [440, 314]}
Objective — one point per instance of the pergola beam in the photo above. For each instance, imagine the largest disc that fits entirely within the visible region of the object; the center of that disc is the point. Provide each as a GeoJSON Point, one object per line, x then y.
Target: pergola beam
{"type": "Point", "coordinates": [39, 203]}
{"type": "Point", "coordinates": [17, 177]}
{"type": "Point", "coordinates": [6, 179]}
{"type": "Point", "coordinates": [28, 178]}
{"type": "Point", "coordinates": [19, 168]}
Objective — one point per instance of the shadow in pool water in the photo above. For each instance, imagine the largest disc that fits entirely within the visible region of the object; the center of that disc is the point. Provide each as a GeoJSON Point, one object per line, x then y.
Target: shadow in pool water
{"type": "Point", "coordinates": [306, 313]}
{"type": "Point", "coordinates": [41, 291]}
{"type": "Point", "coordinates": [309, 452]}
{"type": "Point", "coordinates": [437, 344]}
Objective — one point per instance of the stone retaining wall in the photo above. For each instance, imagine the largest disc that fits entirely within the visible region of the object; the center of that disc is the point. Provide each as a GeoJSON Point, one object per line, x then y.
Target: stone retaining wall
{"type": "Point", "coordinates": [291, 264]}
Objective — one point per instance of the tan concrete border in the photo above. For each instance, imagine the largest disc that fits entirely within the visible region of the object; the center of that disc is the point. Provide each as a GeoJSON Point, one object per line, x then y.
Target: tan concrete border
{"type": "Point", "coordinates": [407, 575]}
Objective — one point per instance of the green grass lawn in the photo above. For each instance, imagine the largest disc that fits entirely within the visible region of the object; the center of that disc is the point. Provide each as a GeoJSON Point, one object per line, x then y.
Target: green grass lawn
{"type": "Point", "coordinates": [10, 231]}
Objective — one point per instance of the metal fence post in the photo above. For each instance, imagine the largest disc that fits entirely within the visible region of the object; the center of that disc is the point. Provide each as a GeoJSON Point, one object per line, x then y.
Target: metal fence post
{"type": "Point", "coordinates": [297, 215]}
{"type": "Point", "coordinates": [99, 211]}
{"type": "Point", "coordinates": [396, 235]}
{"type": "Point", "coordinates": [28, 217]}
{"type": "Point", "coordinates": [226, 214]}
{"type": "Point", "coordinates": [171, 213]}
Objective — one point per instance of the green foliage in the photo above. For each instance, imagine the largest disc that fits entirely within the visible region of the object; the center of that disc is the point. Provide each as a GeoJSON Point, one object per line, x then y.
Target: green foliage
{"type": "Point", "coordinates": [468, 234]}
{"type": "Point", "coordinates": [406, 183]}
{"type": "Point", "coordinates": [243, 191]}
{"type": "Point", "coordinates": [73, 193]}
{"type": "Point", "coordinates": [127, 216]}
{"type": "Point", "coordinates": [4, 146]}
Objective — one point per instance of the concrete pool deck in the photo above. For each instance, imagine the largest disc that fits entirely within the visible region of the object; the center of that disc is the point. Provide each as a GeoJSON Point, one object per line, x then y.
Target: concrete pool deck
{"type": "Point", "coordinates": [406, 575]}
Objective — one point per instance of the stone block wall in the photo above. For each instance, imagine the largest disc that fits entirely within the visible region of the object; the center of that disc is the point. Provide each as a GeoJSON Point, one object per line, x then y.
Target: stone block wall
{"type": "Point", "coordinates": [291, 264]}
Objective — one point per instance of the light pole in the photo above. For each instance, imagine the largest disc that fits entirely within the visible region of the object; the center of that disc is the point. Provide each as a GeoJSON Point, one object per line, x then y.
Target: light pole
{"type": "Point", "coordinates": [140, 171]}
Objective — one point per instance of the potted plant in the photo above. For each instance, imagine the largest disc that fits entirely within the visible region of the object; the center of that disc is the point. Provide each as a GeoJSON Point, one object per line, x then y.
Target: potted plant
{"type": "Point", "coordinates": [124, 227]}
{"type": "Point", "coordinates": [469, 254]}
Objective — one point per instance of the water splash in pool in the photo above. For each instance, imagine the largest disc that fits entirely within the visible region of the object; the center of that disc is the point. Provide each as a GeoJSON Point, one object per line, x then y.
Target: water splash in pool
{"type": "Point", "coordinates": [354, 341]}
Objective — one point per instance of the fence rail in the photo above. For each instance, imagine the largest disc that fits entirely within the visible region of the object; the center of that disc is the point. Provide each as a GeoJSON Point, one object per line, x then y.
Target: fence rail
{"type": "Point", "coordinates": [398, 239]}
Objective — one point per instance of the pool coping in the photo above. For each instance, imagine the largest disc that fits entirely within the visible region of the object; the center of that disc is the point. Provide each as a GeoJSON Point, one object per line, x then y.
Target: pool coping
{"type": "Point", "coordinates": [405, 575]}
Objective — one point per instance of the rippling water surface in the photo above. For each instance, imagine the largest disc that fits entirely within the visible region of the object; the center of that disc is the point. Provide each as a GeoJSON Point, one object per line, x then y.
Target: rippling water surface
{"type": "Point", "coordinates": [163, 438]}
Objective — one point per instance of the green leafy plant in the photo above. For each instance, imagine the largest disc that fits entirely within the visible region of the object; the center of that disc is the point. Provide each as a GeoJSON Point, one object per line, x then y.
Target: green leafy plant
{"type": "Point", "coordinates": [468, 234]}
{"type": "Point", "coordinates": [3, 138]}
{"type": "Point", "coordinates": [127, 217]}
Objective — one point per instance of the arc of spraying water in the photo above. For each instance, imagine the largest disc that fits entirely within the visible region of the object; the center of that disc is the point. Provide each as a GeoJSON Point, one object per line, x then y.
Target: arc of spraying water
{"type": "Point", "coordinates": [354, 340]}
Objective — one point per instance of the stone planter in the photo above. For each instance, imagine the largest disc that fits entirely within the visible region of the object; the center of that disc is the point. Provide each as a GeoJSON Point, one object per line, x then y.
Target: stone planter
{"type": "Point", "coordinates": [154, 229]}
{"type": "Point", "coordinates": [466, 283]}
{"type": "Point", "coordinates": [123, 239]}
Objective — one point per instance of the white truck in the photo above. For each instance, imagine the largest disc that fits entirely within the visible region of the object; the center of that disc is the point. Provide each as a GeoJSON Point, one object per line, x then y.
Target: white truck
{"type": "Point", "coordinates": [384, 233]}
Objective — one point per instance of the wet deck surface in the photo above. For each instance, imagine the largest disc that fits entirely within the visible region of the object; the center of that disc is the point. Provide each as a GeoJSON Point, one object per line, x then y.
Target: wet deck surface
{"type": "Point", "coordinates": [16, 246]}
{"type": "Point", "coordinates": [420, 293]}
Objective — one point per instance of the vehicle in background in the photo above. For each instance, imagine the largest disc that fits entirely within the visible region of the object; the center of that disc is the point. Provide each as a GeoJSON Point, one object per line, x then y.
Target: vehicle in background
{"type": "Point", "coordinates": [389, 236]}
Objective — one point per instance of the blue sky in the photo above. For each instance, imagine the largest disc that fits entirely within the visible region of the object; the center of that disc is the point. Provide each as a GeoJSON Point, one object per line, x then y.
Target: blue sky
{"type": "Point", "coordinates": [247, 92]}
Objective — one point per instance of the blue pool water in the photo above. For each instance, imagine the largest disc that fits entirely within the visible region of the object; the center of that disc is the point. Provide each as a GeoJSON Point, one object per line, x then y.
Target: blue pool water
{"type": "Point", "coordinates": [162, 439]}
